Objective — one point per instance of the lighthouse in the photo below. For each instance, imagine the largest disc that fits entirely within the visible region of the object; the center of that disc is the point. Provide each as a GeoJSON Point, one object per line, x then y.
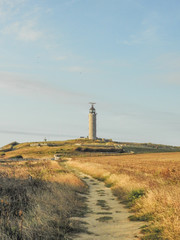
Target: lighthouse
{"type": "Point", "coordinates": [92, 122]}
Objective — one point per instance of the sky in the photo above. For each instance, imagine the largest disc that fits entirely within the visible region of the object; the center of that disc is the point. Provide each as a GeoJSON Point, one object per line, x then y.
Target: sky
{"type": "Point", "coordinates": [56, 56]}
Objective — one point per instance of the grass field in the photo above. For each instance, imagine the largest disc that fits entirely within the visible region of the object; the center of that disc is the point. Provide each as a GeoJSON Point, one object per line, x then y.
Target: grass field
{"type": "Point", "coordinates": [149, 184]}
{"type": "Point", "coordinates": [37, 200]}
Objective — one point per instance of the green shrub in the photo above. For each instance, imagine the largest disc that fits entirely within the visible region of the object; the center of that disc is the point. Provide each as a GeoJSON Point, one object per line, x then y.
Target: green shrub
{"type": "Point", "coordinates": [17, 156]}
{"type": "Point", "coordinates": [146, 217]}
{"type": "Point", "coordinates": [133, 196]}
{"type": "Point", "coordinates": [152, 233]}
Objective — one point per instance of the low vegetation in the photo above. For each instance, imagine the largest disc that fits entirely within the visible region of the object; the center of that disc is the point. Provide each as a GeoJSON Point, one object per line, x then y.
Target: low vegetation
{"type": "Point", "coordinates": [147, 183]}
{"type": "Point", "coordinates": [102, 150]}
{"type": "Point", "coordinates": [38, 200]}
{"type": "Point", "coordinates": [79, 147]}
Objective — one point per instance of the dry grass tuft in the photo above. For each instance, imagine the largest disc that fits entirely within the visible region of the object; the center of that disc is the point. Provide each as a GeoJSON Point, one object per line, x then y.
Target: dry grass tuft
{"type": "Point", "coordinates": [37, 200]}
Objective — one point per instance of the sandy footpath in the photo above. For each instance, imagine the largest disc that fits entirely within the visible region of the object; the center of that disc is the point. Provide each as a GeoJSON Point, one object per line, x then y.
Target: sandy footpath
{"type": "Point", "coordinates": [106, 219]}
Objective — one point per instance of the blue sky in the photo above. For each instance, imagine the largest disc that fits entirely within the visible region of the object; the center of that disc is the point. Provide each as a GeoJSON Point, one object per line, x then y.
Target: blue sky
{"type": "Point", "coordinates": [56, 56]}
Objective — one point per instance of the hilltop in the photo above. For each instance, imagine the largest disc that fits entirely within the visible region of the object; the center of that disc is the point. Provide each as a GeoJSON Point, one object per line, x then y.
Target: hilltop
{"type": "Point", "coordinates": [79, 147]}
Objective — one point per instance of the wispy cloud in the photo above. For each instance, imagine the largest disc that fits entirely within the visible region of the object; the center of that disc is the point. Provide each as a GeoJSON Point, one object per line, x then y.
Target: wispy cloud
{"type": "Point", "coordinates": [11, 3]}
{"type": "Point", "coordinates": [149, 35]}
{"type": "Point", "coordinates": [25, 31]}
{"type": "Point", "coordinates": [8, 8]}
{"type": "Point", "coordinates": [22, 85]}
{"type": "Point", "coordinates": [42, 134]}
{"type": "Point", "coordinates": [19, 21]}
{"type": "Point", "coordinates": [60, 58]}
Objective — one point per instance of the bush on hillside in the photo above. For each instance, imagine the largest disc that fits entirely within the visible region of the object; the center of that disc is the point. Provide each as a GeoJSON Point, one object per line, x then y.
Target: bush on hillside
{"type": "Point", "coordinates": [117, 150]}
{"type": "Point", "coordinates": [17, 156]}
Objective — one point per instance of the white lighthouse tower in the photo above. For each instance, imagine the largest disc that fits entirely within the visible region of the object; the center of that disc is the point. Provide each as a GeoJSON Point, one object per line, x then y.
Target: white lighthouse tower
{"type": "Point", "coordinates": [92, 122]}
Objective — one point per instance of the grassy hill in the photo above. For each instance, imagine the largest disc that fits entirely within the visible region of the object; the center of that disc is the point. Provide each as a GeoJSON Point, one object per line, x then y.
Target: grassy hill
{"type": "Point", "coordinates": [79, 147]}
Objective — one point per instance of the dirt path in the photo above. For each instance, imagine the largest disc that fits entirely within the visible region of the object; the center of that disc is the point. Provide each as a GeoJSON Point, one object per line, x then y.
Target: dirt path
{"type": "Point", "coordinates": [106, 219]}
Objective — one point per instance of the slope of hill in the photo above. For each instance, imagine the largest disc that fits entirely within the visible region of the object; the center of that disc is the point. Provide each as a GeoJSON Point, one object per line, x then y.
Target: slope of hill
{"type": "Point", "coordinates": [79, 147]}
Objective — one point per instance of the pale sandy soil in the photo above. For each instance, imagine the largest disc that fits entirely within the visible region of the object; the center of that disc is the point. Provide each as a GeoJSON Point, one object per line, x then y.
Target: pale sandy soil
{"type": "Point", "coordinates": [106, 219]}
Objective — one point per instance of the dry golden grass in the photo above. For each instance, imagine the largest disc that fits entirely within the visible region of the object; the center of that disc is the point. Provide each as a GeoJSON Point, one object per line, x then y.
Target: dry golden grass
{"type": "Point", "coordinates": [33, 152]}
{"type": "Point", "coordinates": [156, 174]}
{"type": "Point", "coordinates": [37, 200]}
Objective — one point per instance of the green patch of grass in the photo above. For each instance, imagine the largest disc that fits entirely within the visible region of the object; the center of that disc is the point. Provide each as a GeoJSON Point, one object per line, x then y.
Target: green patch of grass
{"type": "Point", "coordinates": [101, 192]}
{"type": "Point", "coordinates": [104, 213]}
{"type": "Point", "coordinates": [103, 204]}
{"type": "Point", "coordinates": [109, 185]}
{"type": "Point", "coordinates": [133, 196]}
{"type": "Point", "coordinates": [145, 217]}
{"type": "Point", "coordinates": [104, 219]}
{"type": "Point", "coordinates": [152, 233]}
